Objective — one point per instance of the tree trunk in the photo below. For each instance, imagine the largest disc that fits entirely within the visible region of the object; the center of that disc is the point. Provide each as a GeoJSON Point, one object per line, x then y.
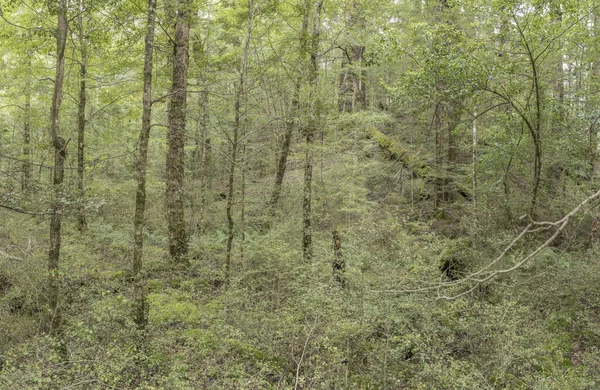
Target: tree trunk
{"type": "Point", "coordinates": [293, 115]}
{"type": "Point", "coordinates": [285, 147]}
{"type": "Point", "coordinates": [59, 145]}
{"type": "Point", "coordinates": [311, 129]}
{"type": "Point", "coordinates": [307, 249]}
{"type": "Point", "coordinates": [27, 167]}
{"type": "Point", "coordinates": [142, 163]}
{"type": "Point", "coordinates": [243, 199]}
{"type": "Point", "coordinates": [178, 240]}
{"type": "Point", "coordinates": [200, 51]}
{"type": "Point", "coordinates": [474, 158]}
{"type": "Point", "coordinates": [339, 264]}
{"type": "Point", "coordinates": [352, 86]}
{"type": "Point", "coordinates": [239, 94]}
{"type": "Point", "coordinates": [81, 223]}
{"type": "Point", "coordinates": [352, 78]}
{"type": "Point", "coordinates": [440, 157]}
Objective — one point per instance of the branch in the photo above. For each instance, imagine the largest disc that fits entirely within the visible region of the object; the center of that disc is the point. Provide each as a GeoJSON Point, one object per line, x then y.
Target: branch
{"type": "Point", "coordinates": [20, 210]}
{"type": "Point", "coordinates": [484, 275]}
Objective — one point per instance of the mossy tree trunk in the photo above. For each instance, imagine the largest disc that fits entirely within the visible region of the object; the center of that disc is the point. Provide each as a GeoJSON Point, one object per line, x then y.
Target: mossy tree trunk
{"type": "Point", "coordinates": [178, 239]}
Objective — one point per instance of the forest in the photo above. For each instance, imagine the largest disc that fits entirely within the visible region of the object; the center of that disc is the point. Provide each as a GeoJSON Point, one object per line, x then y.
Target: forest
{"type": "Point", "coordinates": [299, 194]}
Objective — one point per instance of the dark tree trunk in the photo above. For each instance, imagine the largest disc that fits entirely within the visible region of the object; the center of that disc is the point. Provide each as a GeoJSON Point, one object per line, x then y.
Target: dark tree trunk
{"type": "Point", "coordinates": [59, 145]}
{"type": "Point", "coordinates": [178, 240]}
{"type": "Point", "coordinates": [230, 194]}
{"type": "Point", "coordinates": [339, 264]}
{"type": "Point", "coordinates": [140, 197]}
{"type": "Point", "coordinates": [292, 116]}
{"type": "Point", "coordinates": [307, 249]}
{"type": "Point", "coordinates": [285, 147]}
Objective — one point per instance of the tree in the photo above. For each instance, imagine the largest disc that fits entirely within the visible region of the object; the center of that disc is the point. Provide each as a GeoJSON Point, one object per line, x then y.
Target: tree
{"type": "Point", "coordinates": [81, 120]}
{"type": "Point", "coordinates": [142, 163]}
{"type": "Point", "coordinates": [235, 138]}
{"type": "Point", "coordinates": [291, 122]}
{"type": "Point", "coordinates": [60, 151]}
{"type": "Point", "coordinates": [313, 11]}
{"type": "Point", "coordinates": [178, 239]}
{"type": "Point", "coordinates": [353, 94]}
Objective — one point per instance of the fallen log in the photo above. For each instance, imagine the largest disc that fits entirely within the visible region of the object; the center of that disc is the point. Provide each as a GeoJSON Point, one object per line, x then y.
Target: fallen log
{"type": "Point", "coordinates": [408, 158]}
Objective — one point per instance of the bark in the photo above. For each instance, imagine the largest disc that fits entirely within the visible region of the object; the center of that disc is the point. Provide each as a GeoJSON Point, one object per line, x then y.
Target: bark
{"type": "Point", "coordinates": [311, 129]}
{"type": "Point", "coordinates": [81, 223]}
{"type": "Point", "coordinates": [202, 141]}
{"type": "Point", "coordinates": [557, 168]}
{"type": "Point", "coordinates": [307, 249]}
{"type": "Point", "coordinates": [142, 163]}
{"type": "Point", "coordinates": [178, 240]}
{"type": "Point", "coordinates": [285, 147]}
{"type": "Point", "coordinates": [353, 93]}
{"type": "Point", "coordinates": [593, 131]}
{"type": "Point", "coordinates": [474, 158]}
{"type": "Point", "coordinates": [59, 145]}
{"type": "Point", "coordinates": [243, 200]}
{"type": "Point", "coordinates": [202, 156]}
{"type": "Point", "coordinates": [292, 119]}
{"type": "Point", "coordinates": [352, 78]}
{"type": "Point", "coordinates": [27, 167]}
{"type": "Point", "coordinates": [239, 94]}
{"type": "Point", "coordinates": [339, 264]}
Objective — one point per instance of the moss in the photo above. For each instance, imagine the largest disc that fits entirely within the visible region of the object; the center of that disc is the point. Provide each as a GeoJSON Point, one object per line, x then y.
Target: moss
{"type": "Point", "coordinates": [397, 152]}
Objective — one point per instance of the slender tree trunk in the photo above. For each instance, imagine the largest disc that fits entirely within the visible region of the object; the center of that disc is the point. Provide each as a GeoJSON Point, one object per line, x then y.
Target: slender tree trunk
{"type": "Point", "coordinates": [200, 51]}
{"type": "Point", "coordinates": [293, 115]}
{"type": "Point", "coordinates": [313, 123]}
{"type": "Point", "coordinates": [243, 199]}
{"type": "Point", "coordinates": [439, 156]}
{"type": "Point", "coordinates": [178, 240]}
{"type": "Point", "coordinates": [352, 78]}
{"type": "Point", "coordinates": [142, 163]}
{"type": "Point", "coordinates": [230, 194]}
{"type": "Point", "coordinates": [59, 145]}
{"type": "Point", "coordinates": [285, 147]}
{"type": "Point", "coordinates": [239, 94]}
{"type": "Point", "coordinates": [202, 149]}
{"type": "Point", "coordinates": [27, 167]}
{"type": "Point", "coordinates": [307, 249]}
{"type": "Point", "coordinates": [556, 170]}
{"type": "Point", "coordinates": [594, 77]}
{"type": "Point", "coordinates": [81, 223]}
{"type": "Point", "coordinates": [474, 159]}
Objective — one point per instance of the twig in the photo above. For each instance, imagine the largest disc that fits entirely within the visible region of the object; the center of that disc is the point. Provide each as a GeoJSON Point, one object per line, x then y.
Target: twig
{"type": "Point", "coordinates": [302, 356]}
